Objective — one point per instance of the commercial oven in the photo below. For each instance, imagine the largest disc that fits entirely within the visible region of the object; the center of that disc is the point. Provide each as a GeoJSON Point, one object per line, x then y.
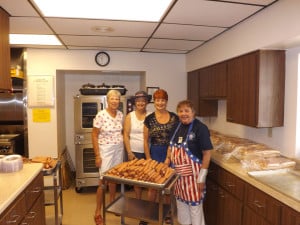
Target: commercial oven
{"type": "Point", "coordinates": [85, 109]}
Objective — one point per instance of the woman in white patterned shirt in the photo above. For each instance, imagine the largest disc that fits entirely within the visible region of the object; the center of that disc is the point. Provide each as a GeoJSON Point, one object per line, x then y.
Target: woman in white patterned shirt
{"type": "Point", "coordinates": [108, 145]}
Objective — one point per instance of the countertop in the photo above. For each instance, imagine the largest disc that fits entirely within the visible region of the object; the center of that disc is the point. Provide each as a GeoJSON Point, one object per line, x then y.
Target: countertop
{"type": "Point", "coordinates": [235, 167]}
{"type": "Point", "coordinates": [12, 184]}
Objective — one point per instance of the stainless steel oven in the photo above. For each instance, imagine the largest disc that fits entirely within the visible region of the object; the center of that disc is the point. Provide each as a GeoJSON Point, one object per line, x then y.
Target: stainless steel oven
{"type": "Point", "coordinates": [85, 108]}
{"type": "Point", "coordinates": [11, 144]}
{"type": "Point", "coordinates": [7, 147]}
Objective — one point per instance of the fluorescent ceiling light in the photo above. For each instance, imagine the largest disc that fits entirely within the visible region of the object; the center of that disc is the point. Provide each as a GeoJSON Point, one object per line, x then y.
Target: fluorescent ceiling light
{"type": "Point", "coordinates": [134, 10]}
{"type": "Point", "coordinates": [33, 39]}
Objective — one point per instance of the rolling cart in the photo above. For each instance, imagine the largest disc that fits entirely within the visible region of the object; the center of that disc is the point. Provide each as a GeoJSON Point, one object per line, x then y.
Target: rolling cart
{"type": "Point", "coordinates": [53, 192]}
{"type": "Point", "coordinates": [138, 208]}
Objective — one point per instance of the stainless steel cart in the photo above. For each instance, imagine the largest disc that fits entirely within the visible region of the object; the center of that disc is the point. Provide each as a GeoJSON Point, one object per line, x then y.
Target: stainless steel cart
{"type": "Point", "coordinates": [138, 208]}
{"type": "Point", "coordinates": [53, 193]}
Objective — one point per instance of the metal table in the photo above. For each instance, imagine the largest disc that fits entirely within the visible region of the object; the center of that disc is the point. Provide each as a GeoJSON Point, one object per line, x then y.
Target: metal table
{"type": "Point", "coordinates": [53, 193]}
{"type": "Point", "coordinates": [137, 208]}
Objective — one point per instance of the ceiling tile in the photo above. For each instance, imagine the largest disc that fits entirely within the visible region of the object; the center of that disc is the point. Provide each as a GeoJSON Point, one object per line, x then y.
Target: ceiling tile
{"type": "Point", "coordinates": [106, 48]}
{"type": "Point", "coordinates": [39, 46]}
{"type": "Point", "coordinates": [28, 25]}
{"type": "Point", "coordinates": [254, 2]}
{"type": "Point", "coordinates": [18, 8]}
{"type": "Point", "coordinates": [188, 25]}
{"type": "Point", "coordinates": [100, 41]}
{"type": "Point", "coordinates": [172, 44]}
{"type": "Point", "coordinates": [209, 13]}
{"type": "Point", "coordinates": [165, 51]}
{"type": "Point", "coordinates": [188, 32]}
{"type": "Point", "coordinates": [87, 27]}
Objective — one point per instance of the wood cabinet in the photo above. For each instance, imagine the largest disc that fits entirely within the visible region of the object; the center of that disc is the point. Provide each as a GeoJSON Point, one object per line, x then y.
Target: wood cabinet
{"type": "Point", "coordinates": [223, 204]}
{"type": "Point", "coordinates": [253, 85]}
{"type": "Point", "coordinates": [203, 108]}
{"type": "Point", "coordinates": [36, 215]}
{"type": "Point", "coordinates": [230, 200]}
{"type": "Point", "coordinates": [15, 212]}
{"type": "Point", "coordinates": [255, 88]}
{"type": "Point", "coordinates": [193, 88]}
{"type": "Point", "coordinates": [261, 207]}
{"type": "Point", "coordinates": [28, 207]}
{"type": "Point", "coordinates": [5, 81]}
{"type": "Point", "coordinates": [290, 216]}
{"type": "Point", "coordinates": [213, 81]}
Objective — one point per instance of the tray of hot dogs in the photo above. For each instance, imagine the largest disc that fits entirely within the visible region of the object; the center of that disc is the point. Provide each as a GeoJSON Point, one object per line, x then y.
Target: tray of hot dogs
{"type": "Point", "coordinates": [141, 172]}
{"type": "Point", "coordinates": [50, 164]}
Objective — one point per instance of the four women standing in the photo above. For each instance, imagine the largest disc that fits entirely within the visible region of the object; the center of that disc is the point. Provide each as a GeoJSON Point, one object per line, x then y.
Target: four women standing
{"type": "Point", "coordinates": [163, 136]}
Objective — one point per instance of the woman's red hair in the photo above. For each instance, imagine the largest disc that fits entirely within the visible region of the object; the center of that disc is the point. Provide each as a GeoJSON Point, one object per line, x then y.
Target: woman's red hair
{"type": "Point", "coordinates": [160, 94]}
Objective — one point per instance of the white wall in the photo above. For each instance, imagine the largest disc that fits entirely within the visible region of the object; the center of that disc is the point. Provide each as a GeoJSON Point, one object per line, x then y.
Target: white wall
{"type": "Point", "coordinates": [74, 81]}
{"type": "Point", "coordinates": [278, 23]}
{"type": "Point", "coordinates": [274, 25]}
{"type": "Point", "coordinates": [163, 70]}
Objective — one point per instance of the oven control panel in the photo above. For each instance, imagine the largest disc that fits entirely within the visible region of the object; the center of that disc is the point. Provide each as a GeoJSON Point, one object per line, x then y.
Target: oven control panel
{"type": "Point", "coordinates": [6, 148]}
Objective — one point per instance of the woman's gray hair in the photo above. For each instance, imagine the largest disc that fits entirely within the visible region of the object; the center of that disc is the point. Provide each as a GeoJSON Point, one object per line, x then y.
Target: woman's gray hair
{"type": "Point", "coordinates": [113, 93]}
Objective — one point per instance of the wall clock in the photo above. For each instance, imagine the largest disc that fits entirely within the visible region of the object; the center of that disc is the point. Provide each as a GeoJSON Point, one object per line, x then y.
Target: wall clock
{"type": "Point", "coordinates": [102, 58]}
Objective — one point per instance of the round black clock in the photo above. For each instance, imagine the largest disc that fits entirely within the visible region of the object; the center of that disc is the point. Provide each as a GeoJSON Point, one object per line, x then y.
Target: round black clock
{"type": "Point", "coordinates": [102, 58]}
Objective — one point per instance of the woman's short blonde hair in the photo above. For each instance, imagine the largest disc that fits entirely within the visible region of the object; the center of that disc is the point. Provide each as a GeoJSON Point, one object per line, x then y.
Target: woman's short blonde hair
{"type": "Point", "coordinates": [113, 92]}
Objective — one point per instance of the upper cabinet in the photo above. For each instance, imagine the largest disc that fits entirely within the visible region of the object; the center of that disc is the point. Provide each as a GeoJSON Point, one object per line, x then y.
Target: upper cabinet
{"type": "Point", "coordinates": [252, 84]}
{"type": "Point", "coordinates": [203, 107]}
{"type": "Point", "coordinates": [212, 81]}
{"type": "Point", "coordinates": [193, 88]}
{"type": "Point", "coordinates": [255, 88]}
{"type": "Point", "coordinates": [5, 81]}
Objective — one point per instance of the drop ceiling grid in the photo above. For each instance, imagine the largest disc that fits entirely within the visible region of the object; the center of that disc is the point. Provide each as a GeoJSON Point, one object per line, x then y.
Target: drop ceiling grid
{"type": "Point", "coordinates": [189, 24]}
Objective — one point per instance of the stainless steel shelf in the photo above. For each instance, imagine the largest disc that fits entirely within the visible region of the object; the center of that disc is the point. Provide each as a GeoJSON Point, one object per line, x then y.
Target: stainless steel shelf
{"type": "Point", "coordinates": [53, 193]}
{"type": "Point", "coordinates": [138, 208]}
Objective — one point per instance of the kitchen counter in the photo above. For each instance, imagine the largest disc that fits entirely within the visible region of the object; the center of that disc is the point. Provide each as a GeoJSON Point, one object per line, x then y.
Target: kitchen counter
{"type": "Point", "coordinates": [235, 167]}
{"type": "Point", "coordinates": [12, 184]}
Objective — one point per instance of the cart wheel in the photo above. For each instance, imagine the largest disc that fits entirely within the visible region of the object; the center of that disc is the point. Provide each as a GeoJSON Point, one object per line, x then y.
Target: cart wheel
{"type": "Point", "coordinates": [78, 189]}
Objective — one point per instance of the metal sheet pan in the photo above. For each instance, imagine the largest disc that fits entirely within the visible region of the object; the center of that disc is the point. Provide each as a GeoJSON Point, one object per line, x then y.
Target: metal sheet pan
{"type": "Point", "coordinates": [285, 181]}
{"type": "Point", "coordinates": [145, 184]}
{"type": "Point", "coordinates": [50, 171]}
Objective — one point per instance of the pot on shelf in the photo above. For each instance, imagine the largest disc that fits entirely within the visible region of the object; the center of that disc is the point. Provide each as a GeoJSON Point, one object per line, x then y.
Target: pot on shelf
{"type": "Point", "coordinates": [90, 89]}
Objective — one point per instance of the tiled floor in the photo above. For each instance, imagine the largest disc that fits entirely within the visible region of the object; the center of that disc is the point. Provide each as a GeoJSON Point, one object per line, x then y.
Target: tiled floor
{"type": "Point", "coordinates": [79, 209]}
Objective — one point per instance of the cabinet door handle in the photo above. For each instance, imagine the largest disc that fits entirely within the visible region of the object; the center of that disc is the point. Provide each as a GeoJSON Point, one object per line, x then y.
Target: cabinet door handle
{"type": "Point", "coordinates": [31, 215]}
{"type": "Point", "coordinates": [14, 219]}
{"type": "Point", "coordinates": [230, 185]}
{"type": "Point", "coordinates": [221, 194]}
{"type": "Point", "coordinates": [36, 190]}
{"type": "Point", "coordinates": [258, 204]}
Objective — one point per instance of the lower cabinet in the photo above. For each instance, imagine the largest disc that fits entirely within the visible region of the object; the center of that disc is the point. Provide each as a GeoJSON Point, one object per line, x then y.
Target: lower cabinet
{"type": "Point", "coordinates": [290, 216]}
{"type": "Point", "coordinates": [28, 207]}
{"type": "Point", "coordinates": [224, 199]}
{"type": "Point", "coordinates": [221, 207]}
{"type": "Point", "coordinates": [264, 206]}
{"type": "Point", "coordinates": [251, 218]}
{"type": "Point", "coordinates": [212, 206]}
{"type": "Point", "coordinates": [36, 215]}
{"type": "Point", "coordinates": [232, 201]}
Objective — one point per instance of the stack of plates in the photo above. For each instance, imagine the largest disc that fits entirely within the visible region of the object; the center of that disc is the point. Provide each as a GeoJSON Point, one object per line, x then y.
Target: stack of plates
{"type": "Point", "coordinates": [10, 163]}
